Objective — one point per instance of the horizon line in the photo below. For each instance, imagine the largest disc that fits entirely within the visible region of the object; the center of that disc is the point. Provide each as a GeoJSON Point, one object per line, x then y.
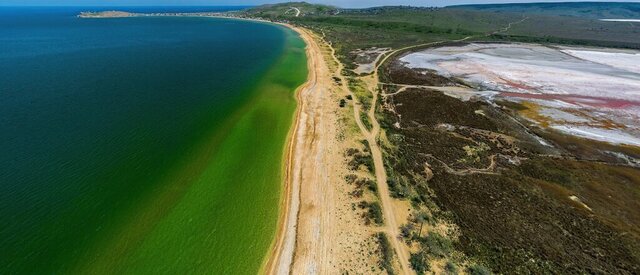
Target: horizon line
{"type": "Point", "coordinates": [201, 5]}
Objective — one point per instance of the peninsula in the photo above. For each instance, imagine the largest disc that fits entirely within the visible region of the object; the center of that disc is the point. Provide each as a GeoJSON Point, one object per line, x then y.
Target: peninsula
{"type": "Point", "coordinates": [107, 14]}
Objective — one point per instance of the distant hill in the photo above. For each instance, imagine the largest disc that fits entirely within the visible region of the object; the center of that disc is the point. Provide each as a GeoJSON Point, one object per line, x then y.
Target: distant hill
{"type": "Point", "coordinates": [591, 10]}
{"type": "Point", "coordinates": [398, 26]}
{"type": "Point", "coordinates": [106, 14]}
{"type": "Point", "coordinates": [290, 9]}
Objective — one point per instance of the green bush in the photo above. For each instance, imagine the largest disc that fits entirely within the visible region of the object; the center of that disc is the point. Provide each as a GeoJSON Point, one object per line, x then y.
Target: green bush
{"type": "Point", "coordinates": [419, 262]}
{"type": "Point", "coordinates": [397, 187]}
{"type": "Point", "coordinates": [372, 186]}
{"type": "Point", "coordinates": [375, 213]}
{"type": "Point", "coordinates": [437, 245]}
{"type": "Point", "coordinates": [478, 270]}
{"type": "Point", "coordinates": [451, 268]}
{"type": "Point", "coordinates": [361, 159]}
{"type": "Point", "coordinates": [386, 253]}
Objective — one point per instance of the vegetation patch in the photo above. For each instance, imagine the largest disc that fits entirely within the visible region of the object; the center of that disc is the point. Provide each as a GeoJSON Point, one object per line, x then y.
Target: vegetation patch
{"type": "Point", "coordinates": [359, 159]}
{"type": "Point", "coordinates": [360, 185]}
{"type": "Point", "coordinates": [476, 269]}
{"type": "Point", "coordinates": [386, 252]}
{"type": "Point", "coordinates": [540, 210]}
{"type": "Point", "coordinates": [419, 262]}
{"type": "Point", "coordinates": [373, 213]}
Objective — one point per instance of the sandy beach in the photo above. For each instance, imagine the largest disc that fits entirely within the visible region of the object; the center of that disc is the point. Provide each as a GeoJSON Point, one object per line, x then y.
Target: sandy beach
{"type": "Point", "coordinates": [278, 261]}
{"type": "Point", "coordinates": [319, 233]}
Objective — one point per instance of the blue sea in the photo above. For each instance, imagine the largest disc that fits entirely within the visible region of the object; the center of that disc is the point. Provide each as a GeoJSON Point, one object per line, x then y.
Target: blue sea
{"type": "Point", "coordinates": [108, 125]}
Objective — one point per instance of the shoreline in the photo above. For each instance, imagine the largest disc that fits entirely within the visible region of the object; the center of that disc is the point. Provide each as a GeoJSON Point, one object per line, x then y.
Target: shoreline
{"type": "Point", "coordinates": [280, 255]}
{"type": "Point", "coordinates": [279, 258]}
{"type": "Point", "coordinates": [275, 261]}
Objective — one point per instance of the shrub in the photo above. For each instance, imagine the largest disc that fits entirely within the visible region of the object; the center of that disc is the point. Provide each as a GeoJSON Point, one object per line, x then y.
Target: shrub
{"type": "Point", "coordinates": [356, 193]}
{"type": "Point", "coordinates": [352, 151]}
{"type": "Point", "coordinates": [361, 159]}
{"type": "Point", "coordinates": [366, 145]}
{"type": "Point", "coordinates": [397, 188]}
{"type": "Point", "coordinates": [350, 178]}
{"type": "Point", "coordinates": [478, 270]}
{"type": "Point", "coordinates": [375, 213]}
{"type": "Point", "coordinates": [451, 268]}
{"type": "Point", "coordinates": [419, 262]}
{"type": "Point", "coordinates": [423, 217]}
{"type": "Point", "coordinates": [437, 245]}
{"type": "Point", "coordinates": [386, 253]}
{"type": "Point", "coordinates": [371, 185]}
{"type": "Point", "coordinates": [406, 229]}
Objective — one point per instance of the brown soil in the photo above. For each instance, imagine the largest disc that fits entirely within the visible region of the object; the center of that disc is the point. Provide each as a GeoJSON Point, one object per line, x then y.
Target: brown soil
{"type": "Point", "coordinates": [397, 73]}
{"type": "Point", "coordinates": [542, 210]}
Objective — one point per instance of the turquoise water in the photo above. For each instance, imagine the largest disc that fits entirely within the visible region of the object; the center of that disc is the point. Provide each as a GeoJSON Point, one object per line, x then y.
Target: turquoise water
{"type": "Point", "coordinates": [141, 145]}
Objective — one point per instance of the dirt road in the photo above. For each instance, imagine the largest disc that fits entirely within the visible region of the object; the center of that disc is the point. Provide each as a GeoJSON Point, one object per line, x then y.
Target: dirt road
{"type": "Point", "coordinates": [319, 233]}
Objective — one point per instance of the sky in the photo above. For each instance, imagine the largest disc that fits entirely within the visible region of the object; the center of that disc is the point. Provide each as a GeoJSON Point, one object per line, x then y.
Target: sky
{"type": "Point", "coordinates": [339, 3]}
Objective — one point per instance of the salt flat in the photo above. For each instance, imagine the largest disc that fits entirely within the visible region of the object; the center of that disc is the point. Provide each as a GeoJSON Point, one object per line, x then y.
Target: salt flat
{"type": "Point", "coordinates": [620, 20]}
{"type": "Point", "coordinates": [588, 92]}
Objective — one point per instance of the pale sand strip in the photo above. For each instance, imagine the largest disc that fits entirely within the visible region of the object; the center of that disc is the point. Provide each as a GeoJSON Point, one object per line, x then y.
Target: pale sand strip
{"type": "Point", "coordinates": [319, 232]}
{"type": "Point", "coordinates": [280, 258]}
